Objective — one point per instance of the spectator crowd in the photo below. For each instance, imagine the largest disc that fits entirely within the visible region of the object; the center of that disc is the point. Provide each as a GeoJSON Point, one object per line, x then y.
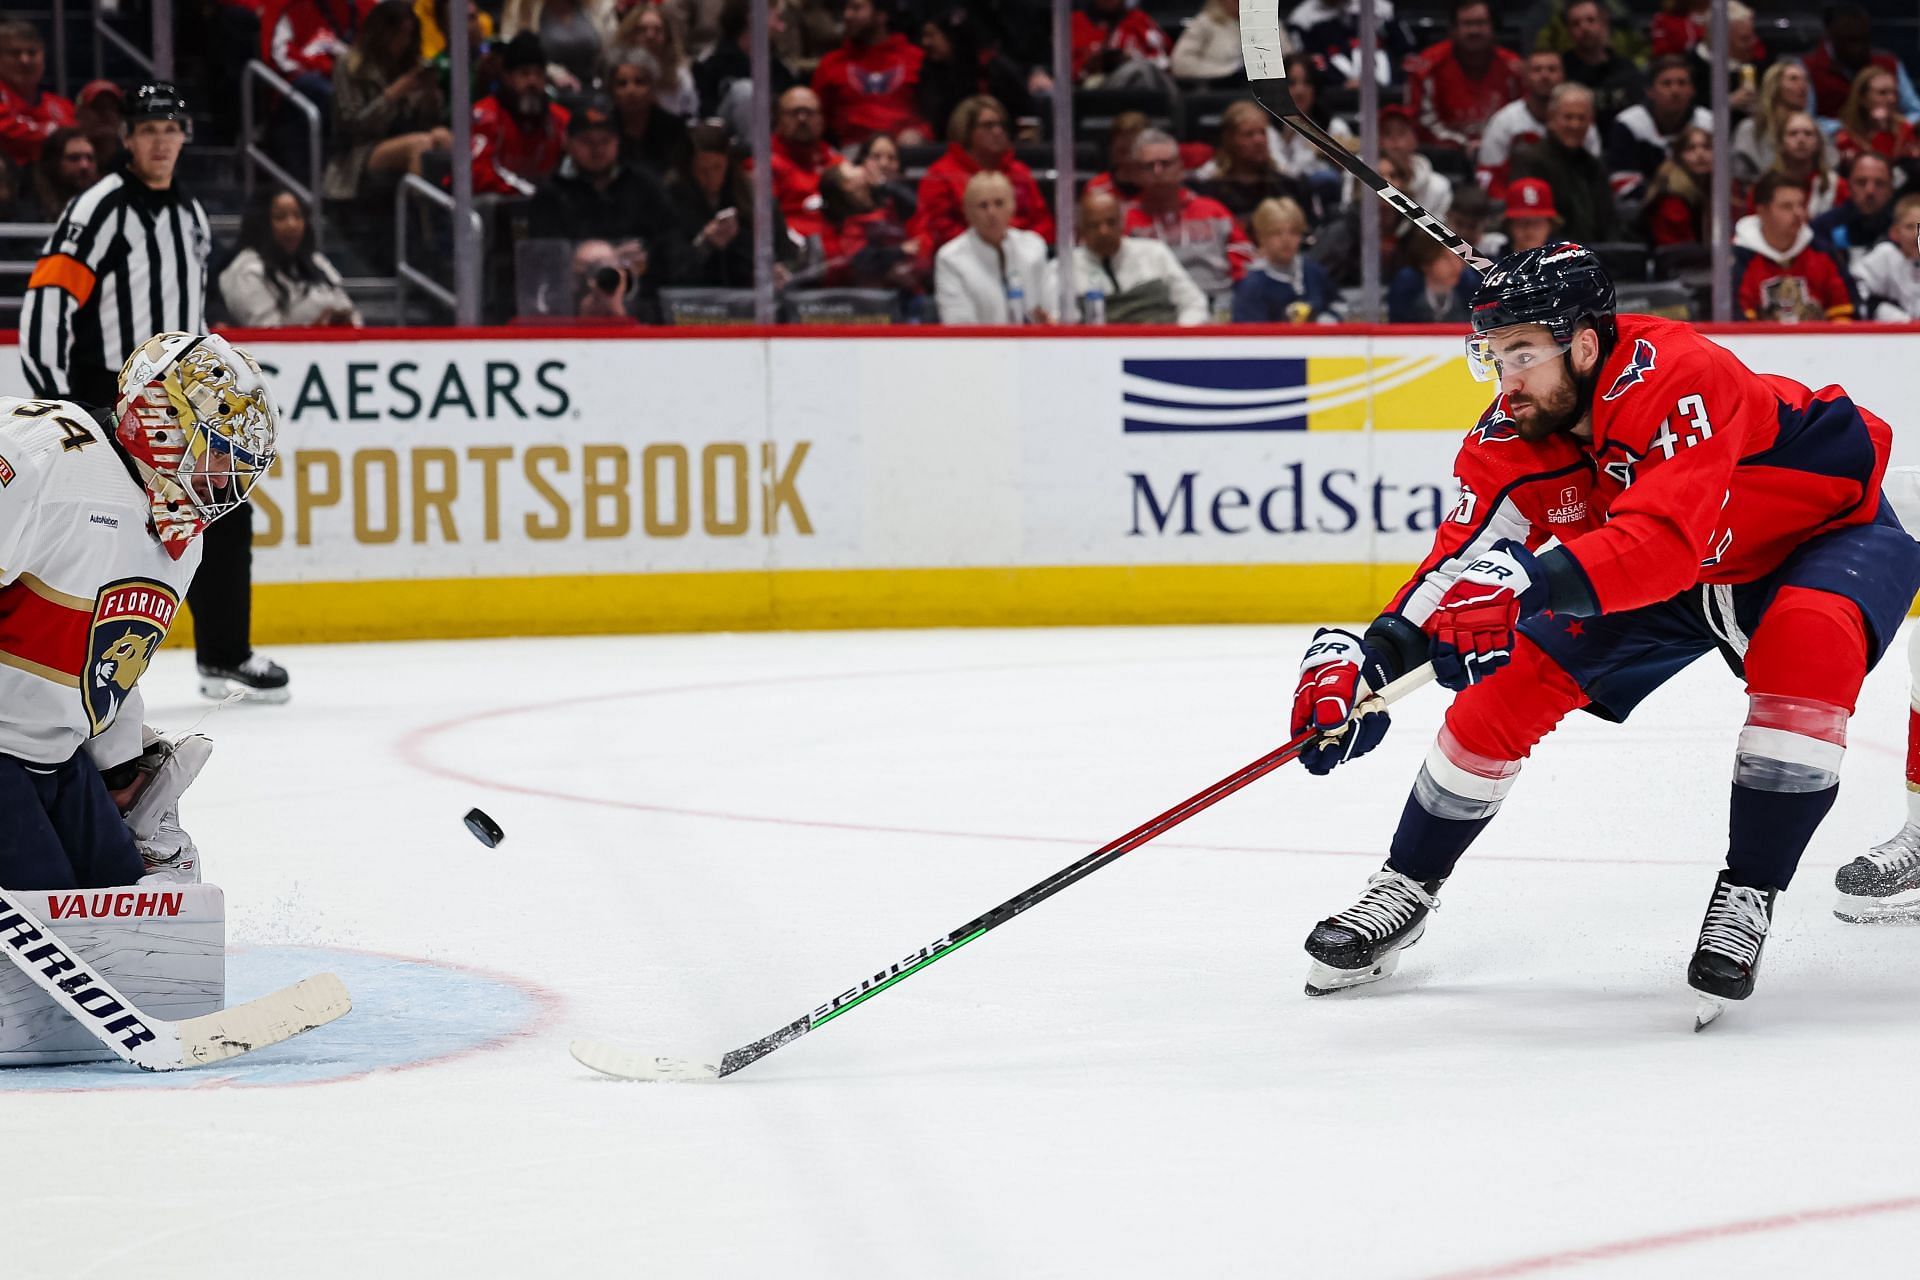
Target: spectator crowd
{"type": "Point", "coordinates": [912, 181]}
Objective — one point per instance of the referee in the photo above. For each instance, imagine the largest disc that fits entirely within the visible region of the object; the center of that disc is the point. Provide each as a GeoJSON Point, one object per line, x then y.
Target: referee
{"type": "Point", "coordinates": [128, 259]}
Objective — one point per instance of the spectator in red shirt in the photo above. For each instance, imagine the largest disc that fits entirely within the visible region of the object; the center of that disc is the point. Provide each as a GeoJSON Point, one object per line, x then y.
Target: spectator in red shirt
{"type": "Point", "coordinates": [799, 157]}
{"type": "Point", "coordinates": [302, 39]}
{"type": "Point", "coordinates": [978, 139]}
{"type": "Point", "coordinates": [1202, 232]}
{"type": "Point", "coordinates": [1779, 273]}
{"type": "Point", "coordinates": [1455, 87]}
{"type": "Point", "coordinates": [868, 84]}
{"type": "Point", "coordinates": [1677, 209]}
{"type": "Point", "coordinates": [1107, 36]}
{"type": "Point", "coordinates": [27, 114]}
{"type": "Point", "coordinates": [1842, 56]}
{"type": "Point", "coordinates": [519, 134]}
{"type": "Point", "coordinates": [1870, 120]}
{"type": "Point", "coordinates": [1680, 25]}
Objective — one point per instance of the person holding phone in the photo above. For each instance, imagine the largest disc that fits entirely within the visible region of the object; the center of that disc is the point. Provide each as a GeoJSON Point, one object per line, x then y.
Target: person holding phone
{"type": "Point", "coordinates": [713, 202]}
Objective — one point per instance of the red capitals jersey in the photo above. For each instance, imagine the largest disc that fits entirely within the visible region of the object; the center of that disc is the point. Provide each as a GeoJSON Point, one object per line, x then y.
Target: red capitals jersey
{"type": "Point", "coordinates": [1699, 470]}
{"type": "Point", "coordinates": [869, 89]}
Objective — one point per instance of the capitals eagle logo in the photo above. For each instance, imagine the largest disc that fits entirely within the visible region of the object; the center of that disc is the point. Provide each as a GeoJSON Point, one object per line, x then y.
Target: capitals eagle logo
{"type": "Point", "coordinates": [1636, 371]}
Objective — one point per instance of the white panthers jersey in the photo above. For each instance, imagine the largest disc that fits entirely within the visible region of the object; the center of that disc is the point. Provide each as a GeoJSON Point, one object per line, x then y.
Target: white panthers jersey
{"type": "Point", "coordinates": [86, 591]}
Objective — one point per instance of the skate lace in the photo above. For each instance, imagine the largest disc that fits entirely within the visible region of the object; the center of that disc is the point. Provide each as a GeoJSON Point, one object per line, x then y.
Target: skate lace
{"type": "Point", "coordinates": [256, 665]}
{"type": "Point", "coordinates": [1736, 923]}
{"type": "Point", "coordinates": [1898, 854]}
{"type": "Point", "coordinates": [1389, 902]}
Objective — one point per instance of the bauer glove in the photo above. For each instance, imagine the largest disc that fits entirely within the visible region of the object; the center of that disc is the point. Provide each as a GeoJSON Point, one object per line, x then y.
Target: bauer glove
{"type": "Point", "coordinates": [1339, 670]}
{"type": "Point", "coordinates": [1473, 625]}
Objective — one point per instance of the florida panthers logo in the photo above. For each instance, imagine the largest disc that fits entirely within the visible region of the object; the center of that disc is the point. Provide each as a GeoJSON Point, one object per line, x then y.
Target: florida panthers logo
{"type": "Point", "coordinates": [1636, 371]}
{"type": "Point", "coordinates": [130, 619]}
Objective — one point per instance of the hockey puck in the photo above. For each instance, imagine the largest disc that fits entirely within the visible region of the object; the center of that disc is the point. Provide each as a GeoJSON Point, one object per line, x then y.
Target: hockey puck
{"type": "Point", "coordinates": [484, 829]}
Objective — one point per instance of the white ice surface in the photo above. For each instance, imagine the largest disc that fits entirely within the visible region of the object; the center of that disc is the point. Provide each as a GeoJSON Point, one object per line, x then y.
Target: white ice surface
{"type": "Point", "coordinates": [709, 835]}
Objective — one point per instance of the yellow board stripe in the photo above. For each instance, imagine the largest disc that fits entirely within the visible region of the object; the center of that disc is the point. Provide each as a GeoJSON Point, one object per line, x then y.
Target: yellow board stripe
{"type": "Point", "coordinates": [819, 599]}
{"type": "Point", "coordinates": [35, 669]}
{"type": "Point", "coordinates": [810, 600]}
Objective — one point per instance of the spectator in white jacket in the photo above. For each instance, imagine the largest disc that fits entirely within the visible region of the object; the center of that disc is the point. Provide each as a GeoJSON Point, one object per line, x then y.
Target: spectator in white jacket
{"type": "Point", "coordinates": [993, 273]}
{"type": "Point", "coordinates": [1138, 279]}
{"type": "Point", "coordinates": [1209, 48]}
{"type": "Point", "coordinates": [1888, 275]}
{"type": "Point", "coordinates": [278, 279]}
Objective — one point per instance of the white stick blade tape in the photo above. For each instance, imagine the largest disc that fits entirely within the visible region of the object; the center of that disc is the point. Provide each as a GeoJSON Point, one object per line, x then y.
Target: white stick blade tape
{"type": "Point", "coordinates": [625, 1064]}
{"type": "Point", "coordinates": [309, 1003]}
{"type": "Point", "coordinates": [1260, 41]}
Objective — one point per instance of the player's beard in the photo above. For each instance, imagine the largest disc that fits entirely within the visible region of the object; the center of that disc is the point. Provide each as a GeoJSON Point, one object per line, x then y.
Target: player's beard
{"type": "Point", "coordinates": [1540, 415]}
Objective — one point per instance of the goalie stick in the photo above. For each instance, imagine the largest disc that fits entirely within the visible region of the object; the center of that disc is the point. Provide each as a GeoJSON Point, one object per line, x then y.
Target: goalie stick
{"type": "Point", "coordinates": [1265, 54]}
{"type": "Point", "coordinates": [154, 1043]}
{"type": "Point", "coordinates": [627, 1064]}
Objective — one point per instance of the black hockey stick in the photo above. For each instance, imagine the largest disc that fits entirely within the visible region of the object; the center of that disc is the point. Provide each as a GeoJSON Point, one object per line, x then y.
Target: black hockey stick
{"type": "Point", "coordinates": [613, 1060]}
{"type": "Point", "coordinates": [1266, 58]}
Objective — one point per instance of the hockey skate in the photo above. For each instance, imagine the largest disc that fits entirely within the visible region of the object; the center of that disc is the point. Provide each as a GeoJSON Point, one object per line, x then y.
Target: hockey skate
{"type": "Point", "coordinates": [1882, 885]}
{"type": "Point", "coordinates": [1727, 957]}
{"type": "Point", "coordinates": [1363, 943]}
{"type": "Point", "coordinates": [258, 679]}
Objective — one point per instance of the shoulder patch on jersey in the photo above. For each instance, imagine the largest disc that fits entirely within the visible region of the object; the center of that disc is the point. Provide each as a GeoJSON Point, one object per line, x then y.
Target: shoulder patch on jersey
{"type": "Point", "coordinates": [6, 473]}
{"type": "Point", "coordinates": [1636, 371]}
{"type": "Point", "coordinates": [130, 619]}
{"type": "Point", "coordinates": [1494, 425]}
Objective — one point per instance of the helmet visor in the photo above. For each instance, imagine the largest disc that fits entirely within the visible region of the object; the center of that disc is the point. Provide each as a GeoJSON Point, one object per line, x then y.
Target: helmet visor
{"type": "Point", "coordinates": [1487, 365]}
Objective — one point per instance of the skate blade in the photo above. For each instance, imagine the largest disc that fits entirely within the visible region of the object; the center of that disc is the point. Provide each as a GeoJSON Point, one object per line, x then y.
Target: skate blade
{"type": "Point", "coordinates": [1903, 908]}
{"type": "Point", "coordinates": [1323, 980]}
{"type": "Point", "coordinates": [220, 690]}
{"type": "Point", "coordinates": [1707, 1011]}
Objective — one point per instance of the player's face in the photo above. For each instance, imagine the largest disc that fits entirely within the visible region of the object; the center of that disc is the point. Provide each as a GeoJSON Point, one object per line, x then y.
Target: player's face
{"type": "Point", "coordinates": [1541, 398]}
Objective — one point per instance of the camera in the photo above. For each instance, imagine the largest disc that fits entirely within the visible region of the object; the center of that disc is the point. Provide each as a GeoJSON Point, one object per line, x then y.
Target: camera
{"type": "Point", "coordinates": [609, 280]}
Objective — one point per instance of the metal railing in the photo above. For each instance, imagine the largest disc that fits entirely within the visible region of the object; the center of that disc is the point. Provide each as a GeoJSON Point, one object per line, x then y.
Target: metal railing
{"type": "Point", "coordinates": [14, 275]}
{"type": "Point", "coordinates": [253, 155]}
{"type": "Point", "coordinates": [461, 298]}
{"type": "Point", "coordinates": [158, 64]}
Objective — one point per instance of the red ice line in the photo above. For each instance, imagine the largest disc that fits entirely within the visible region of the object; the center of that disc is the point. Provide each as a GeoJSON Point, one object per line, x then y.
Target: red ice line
{"type": "Point", "coordinates": [413, 750]}
{"type": "Point", "coordinates": [1677, 1239]}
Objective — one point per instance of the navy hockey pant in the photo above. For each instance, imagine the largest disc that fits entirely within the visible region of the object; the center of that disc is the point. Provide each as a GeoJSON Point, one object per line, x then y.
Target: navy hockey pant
{"type": "Point", "coordinates": [60, 830]}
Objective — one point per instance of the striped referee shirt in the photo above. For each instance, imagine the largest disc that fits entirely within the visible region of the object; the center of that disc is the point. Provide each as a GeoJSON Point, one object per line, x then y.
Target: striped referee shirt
{"type": "Point", "coordinates": [125, 262]}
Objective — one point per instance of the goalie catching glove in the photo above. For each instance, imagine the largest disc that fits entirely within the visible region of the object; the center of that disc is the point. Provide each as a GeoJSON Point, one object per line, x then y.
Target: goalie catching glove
{"type": "Point", "coordinates": [150, 804]}
{"type": "Point", "coordinates": [1340, 670]}
{"type": "Point", "coordinates": [1473, 625]}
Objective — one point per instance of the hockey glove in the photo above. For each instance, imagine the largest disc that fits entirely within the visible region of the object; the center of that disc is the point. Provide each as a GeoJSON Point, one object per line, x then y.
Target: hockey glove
{"type": "Point", "coordinates": [1339, 670]}
{"type": "Point", "coordinates": [1473, 625]}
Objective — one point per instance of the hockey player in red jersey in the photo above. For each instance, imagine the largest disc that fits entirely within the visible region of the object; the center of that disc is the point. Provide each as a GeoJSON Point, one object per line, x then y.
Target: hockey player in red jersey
{"type": "Point", "coordinates": [1698, 506]}
{"type": "Point", "coordinates": [99, 536]}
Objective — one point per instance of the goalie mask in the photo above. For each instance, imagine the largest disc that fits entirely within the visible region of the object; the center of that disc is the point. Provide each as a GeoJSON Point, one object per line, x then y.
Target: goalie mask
{"type": "Point", "coordinates": [195, 417]}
